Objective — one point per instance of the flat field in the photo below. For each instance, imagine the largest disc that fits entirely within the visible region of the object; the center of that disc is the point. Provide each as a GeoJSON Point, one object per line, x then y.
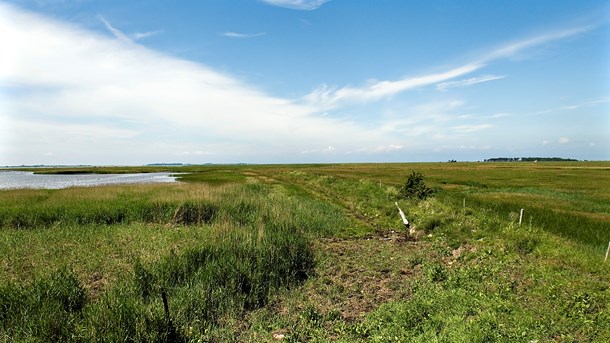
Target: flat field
{"type": "Point", "coordinates": [312, 253]}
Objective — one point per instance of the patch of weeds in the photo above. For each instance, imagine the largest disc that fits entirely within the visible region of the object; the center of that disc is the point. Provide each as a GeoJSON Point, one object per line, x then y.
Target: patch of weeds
{"type": "Point", "coordinates": [312, 316]}
{"type": "Point", "coordinates": [526, 245]}
{"type": "Point", "coordinates": [436, 272]}
{"type": "Point", "coordinates": [429, 224]}
{"type": "Point", "coordinates": [415, 261]}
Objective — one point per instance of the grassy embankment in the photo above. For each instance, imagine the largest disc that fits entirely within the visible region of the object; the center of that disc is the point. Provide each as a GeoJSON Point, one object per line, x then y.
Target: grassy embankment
{"type": "Point", "coordinates": [228, 249]}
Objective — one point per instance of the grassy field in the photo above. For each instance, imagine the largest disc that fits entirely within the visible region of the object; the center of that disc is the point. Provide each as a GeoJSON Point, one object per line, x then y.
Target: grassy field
{"type": "Point", "coordinates": [312, 253]}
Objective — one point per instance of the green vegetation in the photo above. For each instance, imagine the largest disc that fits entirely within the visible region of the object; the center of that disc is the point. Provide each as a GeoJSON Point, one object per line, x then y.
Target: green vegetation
{"type": "Point", "coordinates": [313, 253]}
{"type": "Point", "coordinates": [415, 187]}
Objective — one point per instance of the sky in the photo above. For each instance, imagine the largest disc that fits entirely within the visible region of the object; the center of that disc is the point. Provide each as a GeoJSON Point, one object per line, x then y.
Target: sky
{"type": "Point", "coordinates": [118, 82]}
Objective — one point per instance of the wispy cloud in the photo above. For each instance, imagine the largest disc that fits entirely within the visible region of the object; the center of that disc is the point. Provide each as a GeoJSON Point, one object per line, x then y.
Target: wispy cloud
{"type": "Point", "coordinates": [586, 104]}
{"type": "Point", "coordinates": [142, 35]}
{"type": "Point", "coordinates": [571, 107]}
{"type": "Point", "coordinates": [326, 97]}
{"type": "Point", "coordinates": [122, 36]}
{"type": "Point", "coordinates": [232, 34]}
{"type": "Point", "coordinates": [307, 5]}
{"type": "Point", "coordinates": [467, 82]}
{"type": "Point", "coordinates": [329, 97]}
{"type": "Point", "coordinates": [116, 32]}
{"type": "Point", "coordinates": [514, 48]}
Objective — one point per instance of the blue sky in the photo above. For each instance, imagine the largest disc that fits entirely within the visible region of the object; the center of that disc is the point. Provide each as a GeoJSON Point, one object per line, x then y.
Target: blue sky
{"type": "Point", "coordinates": [290, 81]}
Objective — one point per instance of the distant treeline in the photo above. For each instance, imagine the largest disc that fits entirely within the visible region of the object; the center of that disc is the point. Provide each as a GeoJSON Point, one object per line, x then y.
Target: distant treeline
{"type": "Point", "coordinates": [529, 159]}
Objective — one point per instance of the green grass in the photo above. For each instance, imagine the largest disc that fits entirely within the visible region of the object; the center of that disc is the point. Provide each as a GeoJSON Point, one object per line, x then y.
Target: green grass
{"type": "Point", "coordinates": [312, 253]}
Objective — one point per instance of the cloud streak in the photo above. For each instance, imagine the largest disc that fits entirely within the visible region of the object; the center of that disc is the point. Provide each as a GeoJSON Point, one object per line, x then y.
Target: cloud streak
{"type": "Point", "coordinates": [326, 97]}
{"type": "Point", "coordinates": [307, 5]}
{"type": "Point", "coordinates": [514, 48]}
{"type": "Point", "coordinates": [232, 34]}
{"type": "Point", "coordinates": [467, 82]}
{"type": "Point", "coordinates": [122, 36]}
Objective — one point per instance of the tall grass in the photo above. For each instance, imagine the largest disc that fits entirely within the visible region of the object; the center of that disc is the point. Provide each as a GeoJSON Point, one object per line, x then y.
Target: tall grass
{"type": "Point", "coordinates": [258, 242]}
{"type": "Point", "coordinates": [225, 276]}
{"type": "Point", "coordinates": [101, 205]}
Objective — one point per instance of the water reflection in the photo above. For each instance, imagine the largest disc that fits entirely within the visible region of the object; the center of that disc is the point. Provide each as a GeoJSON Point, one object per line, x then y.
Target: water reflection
{"type": "Point", "coordinates": [21, 179]}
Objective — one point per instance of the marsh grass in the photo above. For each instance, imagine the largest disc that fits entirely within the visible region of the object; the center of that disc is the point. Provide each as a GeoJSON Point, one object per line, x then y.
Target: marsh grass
{"type": "Point", "coordinates": [314, 253]}
{"type": "Point", "coordinates": [570, 199]}
{"type": "Point", "coordinates": [216, 251]}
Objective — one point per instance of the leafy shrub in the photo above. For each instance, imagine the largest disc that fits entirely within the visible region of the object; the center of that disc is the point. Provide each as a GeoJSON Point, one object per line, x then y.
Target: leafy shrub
{"type": "Point", "coordinates": [415, 187]}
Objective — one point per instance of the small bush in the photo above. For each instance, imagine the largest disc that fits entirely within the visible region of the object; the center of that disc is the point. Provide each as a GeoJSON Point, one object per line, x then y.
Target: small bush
{"type": "Point", "coordinates": [415, 187]}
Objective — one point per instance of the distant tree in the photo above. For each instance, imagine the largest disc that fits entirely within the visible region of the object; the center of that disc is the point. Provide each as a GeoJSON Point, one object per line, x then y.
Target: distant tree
{"type": "Point", "coordinates": [415, 187]}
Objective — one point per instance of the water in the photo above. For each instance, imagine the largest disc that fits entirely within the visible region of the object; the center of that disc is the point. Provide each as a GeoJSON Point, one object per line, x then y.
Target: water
{"type": "Point", "coordinates": [20, 179]}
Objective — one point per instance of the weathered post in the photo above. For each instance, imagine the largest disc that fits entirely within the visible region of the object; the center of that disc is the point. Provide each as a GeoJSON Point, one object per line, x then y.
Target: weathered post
{"type": "Point", "coordinates": [172, 335]}
{"type": "Point", "coordinates": [402, 215]}
{"type": "Point", "coordinates": [520, 217]}
{"type": "Point", "coordinates": [607, 250]}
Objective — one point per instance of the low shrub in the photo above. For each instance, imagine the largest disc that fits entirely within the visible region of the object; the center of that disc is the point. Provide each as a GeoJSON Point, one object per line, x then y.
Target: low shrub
{"type": "Point", "coordinates": [415, 187]}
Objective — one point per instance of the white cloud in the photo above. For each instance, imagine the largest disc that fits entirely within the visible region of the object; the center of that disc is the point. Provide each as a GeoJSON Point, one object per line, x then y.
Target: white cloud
{"type": "Point", "coordinates": [116, 32]}
{"type": "Point", "coordinates": [243, 35]}
{"type": "Point", "coordinates": [91, 98]}
{"type": "Point", "coordinates": [467, 82]}
{"type": "Point", "coordinates": [326, 97]}
{"type": "Point", "coordinates": [387, 148]}
{"type": "Point", "coordinates": [329, 97]}
{"type": "Point", "coordinates": [142, 35]}
{"type": "Point", "coordinates": [517, 47]}
{"type": "Point", "coordinates": [325, 150]}
{"type": "Point", "coordinates": [563, 140]}
{"type": "Point", "coordinates": [122, 36]}
{"type": "Point", "coordinates": [307, 5]}
{"type": "Point", "coordinates": [113, 97]}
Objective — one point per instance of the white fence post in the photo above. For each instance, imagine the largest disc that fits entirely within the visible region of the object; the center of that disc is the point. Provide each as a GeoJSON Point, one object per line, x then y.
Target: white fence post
{"type": "Point", "coordinates": [520, 217]}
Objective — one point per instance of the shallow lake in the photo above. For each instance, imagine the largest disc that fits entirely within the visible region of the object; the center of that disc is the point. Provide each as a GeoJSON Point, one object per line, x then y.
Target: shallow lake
{"type": "Point", "coordinates": [21, 179]}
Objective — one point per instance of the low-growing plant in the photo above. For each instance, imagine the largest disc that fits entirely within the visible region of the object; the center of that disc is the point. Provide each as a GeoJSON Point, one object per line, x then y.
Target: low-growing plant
{"type": "Point", "coordinates": [415, 187]}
